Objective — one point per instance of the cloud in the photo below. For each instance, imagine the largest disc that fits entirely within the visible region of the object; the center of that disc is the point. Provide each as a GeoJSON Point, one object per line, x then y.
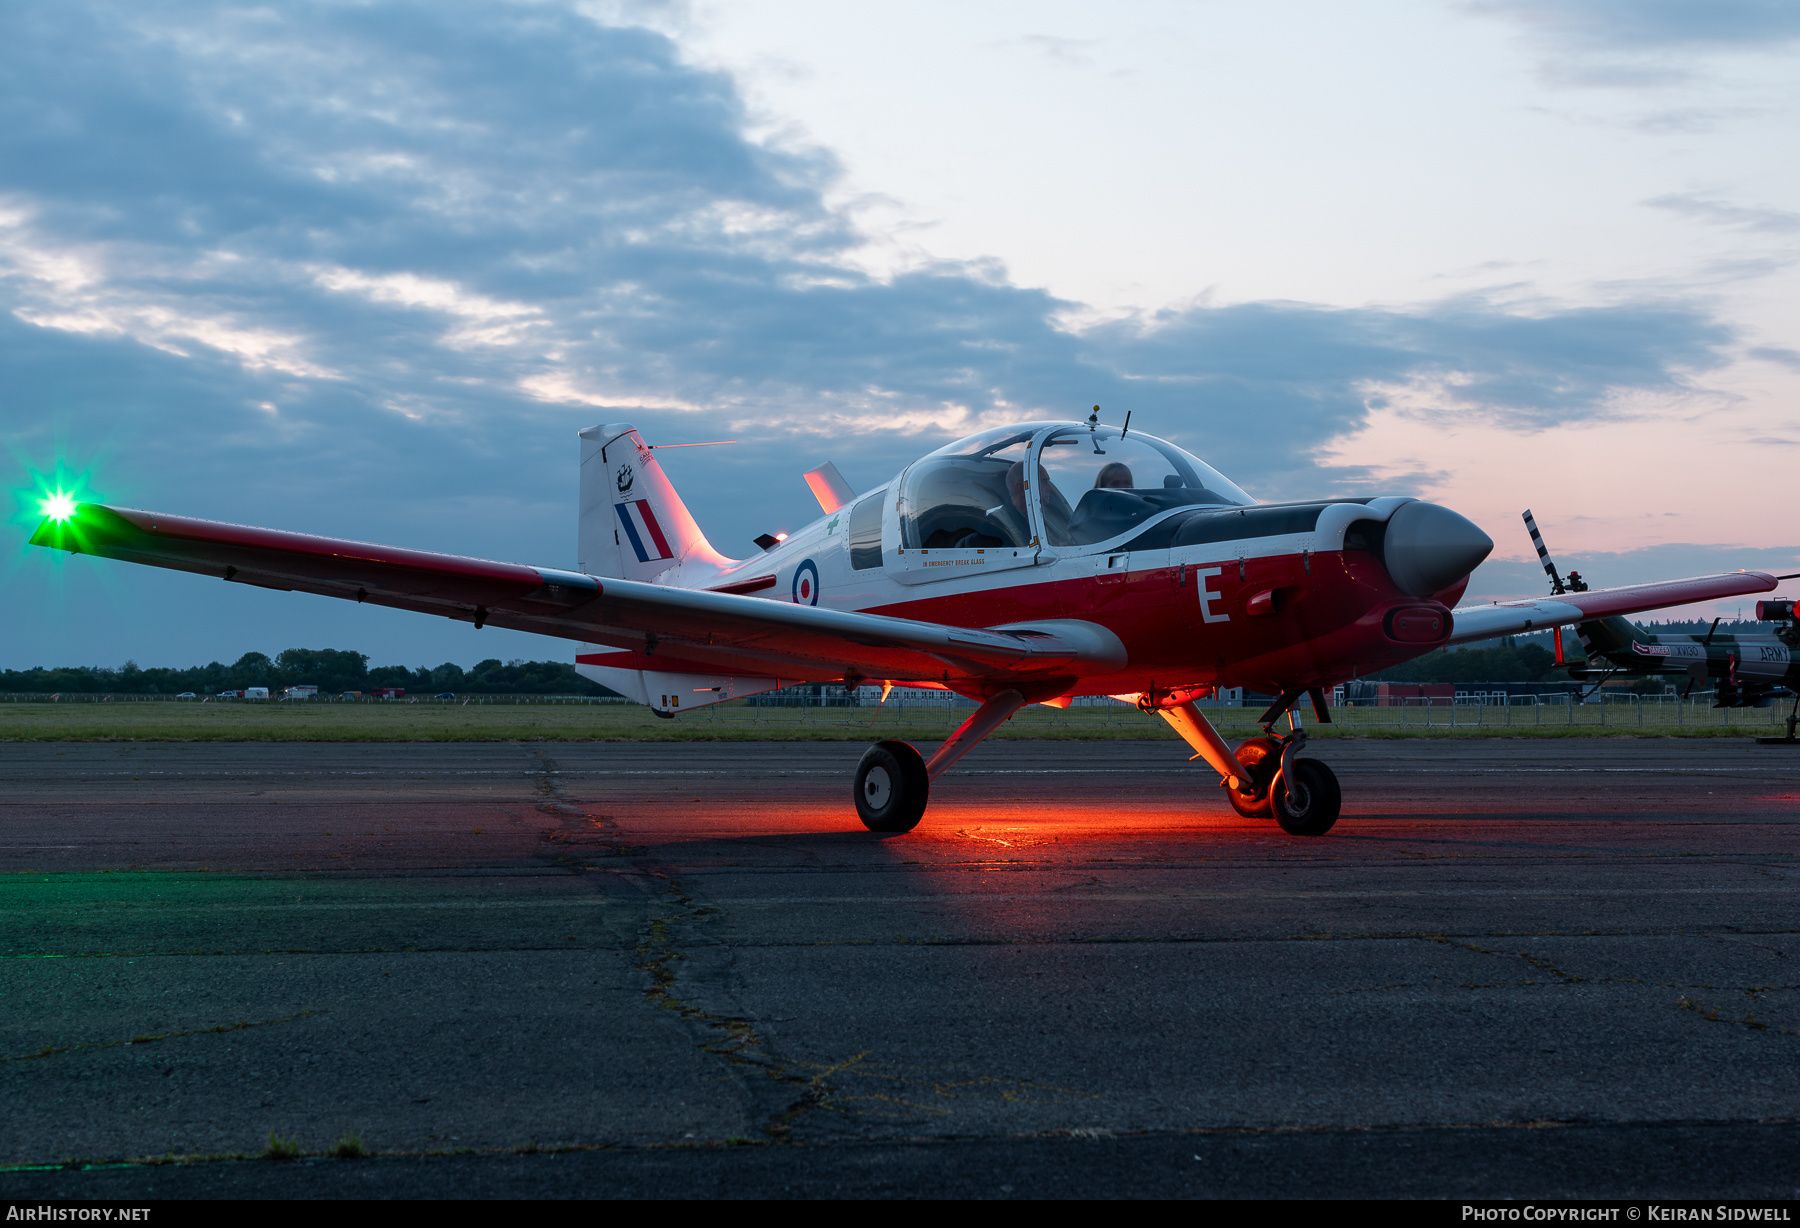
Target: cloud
{"type": "Point", "coordinates": [1638, 44]}
{"type": "Point", "coordinates": [365, 268]}
{"type": "Point", "coordinates": [1703, 208]}
{"type": "Point", "coordinates": [1780, 355]}
{"type": "Point", "coordinates": [1606, 25]}
{"type": "Point", "coordinates": [1068, 52]}
{"type": "Point", "coordinates": [1502, 578]}
{"type": "Point", "coordinates": [1294, 376]}
{"type": "Point", "coordinates": [1686, 120]}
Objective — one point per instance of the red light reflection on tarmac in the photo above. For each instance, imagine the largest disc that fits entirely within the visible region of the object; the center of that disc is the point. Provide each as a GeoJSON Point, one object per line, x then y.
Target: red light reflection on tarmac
{"type": "Point", "coordinates": [297, 808]}
{"type": "Point", "coordinates": [1015, 815]}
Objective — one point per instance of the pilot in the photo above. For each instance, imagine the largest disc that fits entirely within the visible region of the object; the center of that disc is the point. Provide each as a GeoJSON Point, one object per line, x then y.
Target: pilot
{"type": "Point", "coordinates": [1010, 518]}
{"type": "Point", "coordinates": [1114, 476]}
{"type": "Point", "coordinates": [1015, 486]}
{"type": "Point", "coordinates": [1012, 515]}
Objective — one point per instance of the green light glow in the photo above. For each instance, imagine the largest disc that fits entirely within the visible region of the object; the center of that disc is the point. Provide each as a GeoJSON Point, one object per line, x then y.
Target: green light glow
{"type": "Point", "coordinates": [48, 503]}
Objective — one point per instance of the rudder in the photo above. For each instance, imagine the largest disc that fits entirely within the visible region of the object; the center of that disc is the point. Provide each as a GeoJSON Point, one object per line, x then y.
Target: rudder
{"type": "Point", "coordinates": [632, 524]}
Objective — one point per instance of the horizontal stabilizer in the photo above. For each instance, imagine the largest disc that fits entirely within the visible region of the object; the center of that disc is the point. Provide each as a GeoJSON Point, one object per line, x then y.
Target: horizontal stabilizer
{"type": "Point", "coordinates": [665, 692]}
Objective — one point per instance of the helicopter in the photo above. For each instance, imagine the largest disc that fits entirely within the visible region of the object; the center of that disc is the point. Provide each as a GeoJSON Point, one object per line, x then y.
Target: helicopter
{"type": "Point", "coordinates": [1743, 670]}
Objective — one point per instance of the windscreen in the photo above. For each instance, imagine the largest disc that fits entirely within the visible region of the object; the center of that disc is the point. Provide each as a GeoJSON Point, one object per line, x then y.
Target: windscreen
{"type": "Point", "coordinates": [1099, 485]}
{"type": "Point", "coordinates": [969, 495]}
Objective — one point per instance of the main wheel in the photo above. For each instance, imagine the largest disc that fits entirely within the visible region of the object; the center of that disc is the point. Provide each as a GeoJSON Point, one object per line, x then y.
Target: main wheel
{"type": "Point", "coordinates": [1261, 758]}
{"type": "Point", "coordinates": [891, 787]}
{"type": "Point", "coordinates": [1315, 803]}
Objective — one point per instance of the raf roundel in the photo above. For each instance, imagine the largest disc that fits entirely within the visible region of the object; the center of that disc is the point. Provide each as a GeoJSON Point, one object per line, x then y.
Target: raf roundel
{"type": "Point", "coordinates": [806, 584]}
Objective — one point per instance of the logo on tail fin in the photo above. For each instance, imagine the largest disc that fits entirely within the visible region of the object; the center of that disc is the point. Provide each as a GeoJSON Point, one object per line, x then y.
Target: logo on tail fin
{"type": "Point", "coordinates": [643, 532]}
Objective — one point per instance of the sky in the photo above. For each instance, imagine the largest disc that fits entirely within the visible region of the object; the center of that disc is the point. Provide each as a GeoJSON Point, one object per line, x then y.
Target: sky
{"type": "Point", "coordinates": [364, 269]}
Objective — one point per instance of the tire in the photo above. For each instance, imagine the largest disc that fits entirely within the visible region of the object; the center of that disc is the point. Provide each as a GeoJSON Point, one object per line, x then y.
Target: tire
{"type": "Point", "coordinates": [891, 787]}
{"type": "Point", "coordinates": [1316, 801]}
{"type": "Point", "coordinates": [1261, 758]}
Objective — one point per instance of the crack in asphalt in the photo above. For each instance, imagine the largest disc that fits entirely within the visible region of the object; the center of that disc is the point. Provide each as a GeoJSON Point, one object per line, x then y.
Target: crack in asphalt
{"type": "Point", "coordinates": [734, 1038]}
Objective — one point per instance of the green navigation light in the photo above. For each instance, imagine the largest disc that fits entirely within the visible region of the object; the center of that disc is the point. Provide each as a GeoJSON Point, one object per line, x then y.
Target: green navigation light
{"type": "Point", "coordinates": [55, 507]}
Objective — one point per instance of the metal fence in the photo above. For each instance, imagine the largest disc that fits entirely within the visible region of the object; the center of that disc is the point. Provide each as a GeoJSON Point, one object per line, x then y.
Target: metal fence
{"type": "Point", "coordinates": [97, 697]}
{"type": "Point", "coordinates": [1616, 711]}
{"type": "Point", "coordinates": [1623, 710]}
{"type": "Point", "coordinates": [942, 711]}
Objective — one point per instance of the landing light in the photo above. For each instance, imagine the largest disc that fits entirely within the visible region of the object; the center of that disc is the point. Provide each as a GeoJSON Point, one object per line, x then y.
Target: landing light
{"type": "Point", "coordinates": [58, 506]}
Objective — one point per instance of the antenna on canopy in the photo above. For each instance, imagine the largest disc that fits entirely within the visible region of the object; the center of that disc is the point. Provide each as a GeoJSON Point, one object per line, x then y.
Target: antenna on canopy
{"type": "Point", "coordinates": [1127, 426]}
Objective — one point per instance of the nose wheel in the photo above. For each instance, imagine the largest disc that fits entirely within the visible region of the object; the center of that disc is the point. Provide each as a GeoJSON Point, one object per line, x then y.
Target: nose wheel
{"type": "Point", "coordinates": [1300, 794]}
{"type": "Point", "coordinates": [1306, 799]}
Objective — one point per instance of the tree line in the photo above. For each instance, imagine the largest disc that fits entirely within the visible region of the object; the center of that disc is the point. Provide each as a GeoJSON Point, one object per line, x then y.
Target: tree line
{"type": "Point", "coordinates": [332, 670]}
{"type": "Point", "coordinates": [1502, 663]}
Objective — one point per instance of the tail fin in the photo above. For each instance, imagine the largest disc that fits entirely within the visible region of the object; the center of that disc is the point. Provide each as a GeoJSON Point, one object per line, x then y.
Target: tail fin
{"type": "Point", "coordinates": [633, 525]}
{"type": "Point", "coordinates": [1609, 637]}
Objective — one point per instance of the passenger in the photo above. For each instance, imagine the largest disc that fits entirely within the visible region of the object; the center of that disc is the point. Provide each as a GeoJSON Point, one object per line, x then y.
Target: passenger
{"type": "Point", "coordinates": [1114, 476]}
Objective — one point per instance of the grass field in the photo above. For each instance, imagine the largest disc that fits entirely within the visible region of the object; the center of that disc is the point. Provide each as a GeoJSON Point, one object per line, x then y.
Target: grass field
{"type": "Point", "coordinates": [165, 721]}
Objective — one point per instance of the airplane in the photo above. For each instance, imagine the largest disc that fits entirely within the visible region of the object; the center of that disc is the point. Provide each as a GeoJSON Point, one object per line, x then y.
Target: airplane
{"type": "Point", "coordinates": [1025, 564]}
{"type": "Point", "coordinates": [1745, 671]}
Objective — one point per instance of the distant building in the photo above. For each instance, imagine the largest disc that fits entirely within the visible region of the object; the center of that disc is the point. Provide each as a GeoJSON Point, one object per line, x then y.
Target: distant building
{"type": "Point", "coordinates": [1391, 694]}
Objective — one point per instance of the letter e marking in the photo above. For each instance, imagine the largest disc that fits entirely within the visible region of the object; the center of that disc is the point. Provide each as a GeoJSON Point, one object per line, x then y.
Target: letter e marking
{"type": "Point", "coordinates": [1207, 596]}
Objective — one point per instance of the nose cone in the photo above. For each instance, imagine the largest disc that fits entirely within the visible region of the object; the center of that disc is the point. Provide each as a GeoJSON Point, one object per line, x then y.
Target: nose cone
{"type": "Point", "coordinates": [1427, 548]}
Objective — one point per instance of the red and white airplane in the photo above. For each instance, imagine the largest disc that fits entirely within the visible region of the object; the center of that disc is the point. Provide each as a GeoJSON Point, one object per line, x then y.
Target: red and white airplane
{"type": "Point", "coordinates": [1025, 564]}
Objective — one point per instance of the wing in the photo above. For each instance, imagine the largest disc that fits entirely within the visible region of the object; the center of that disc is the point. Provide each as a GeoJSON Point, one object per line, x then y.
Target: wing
{"type": "Point", "coordinates": [1481, 622]}
{"type": "Point", "coordinates": [674, 628]}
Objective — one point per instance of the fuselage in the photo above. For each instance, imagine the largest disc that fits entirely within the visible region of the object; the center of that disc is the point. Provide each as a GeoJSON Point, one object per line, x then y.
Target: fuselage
{"type": "Point", "coordinates": [1202, 586]}
{"type": "Point", "coordinates": [1741, 668]}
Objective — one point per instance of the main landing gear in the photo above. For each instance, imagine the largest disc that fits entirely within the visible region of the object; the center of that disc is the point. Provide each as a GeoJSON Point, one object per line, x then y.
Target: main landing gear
{"type": "Point", "coordinates": [1266, 777]}
{"type": "Point", "coordinates": [893, 781]}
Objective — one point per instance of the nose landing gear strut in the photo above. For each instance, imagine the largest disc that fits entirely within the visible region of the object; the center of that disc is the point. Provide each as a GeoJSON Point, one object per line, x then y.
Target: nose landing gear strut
{"type": "Point", "coordinates": [1264, 776]}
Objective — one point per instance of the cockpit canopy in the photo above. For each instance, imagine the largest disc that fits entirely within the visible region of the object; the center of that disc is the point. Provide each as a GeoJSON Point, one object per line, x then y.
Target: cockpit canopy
{"type": "Point", "coordinates": [958, 496]}
{"type": "Point", "coordinates": [1093, 484]}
